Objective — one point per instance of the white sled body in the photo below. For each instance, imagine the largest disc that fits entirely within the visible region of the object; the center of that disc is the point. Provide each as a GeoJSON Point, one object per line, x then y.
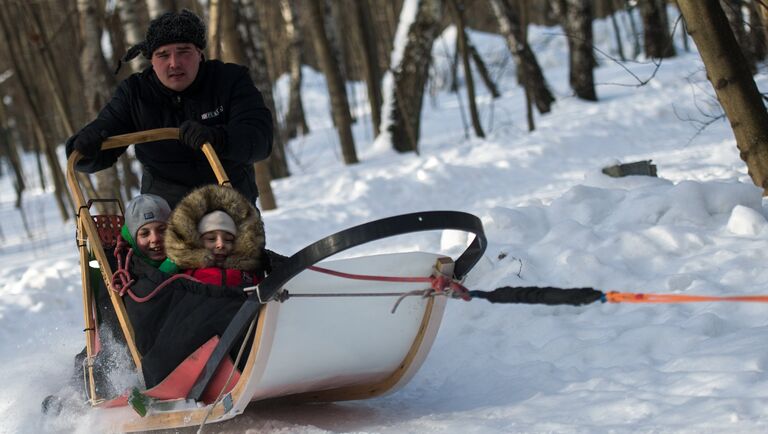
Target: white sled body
{"type": "Point", "coordinates": [323, 348]}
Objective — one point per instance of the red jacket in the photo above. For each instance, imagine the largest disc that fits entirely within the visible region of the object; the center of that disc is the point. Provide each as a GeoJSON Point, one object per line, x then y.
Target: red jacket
{"type": "Point", "coordinates": [225, 276]}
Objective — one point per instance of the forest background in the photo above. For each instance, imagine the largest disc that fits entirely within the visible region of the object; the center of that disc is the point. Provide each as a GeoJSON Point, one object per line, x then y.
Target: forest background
{"type": "Point", "coordinates": [58, 58]}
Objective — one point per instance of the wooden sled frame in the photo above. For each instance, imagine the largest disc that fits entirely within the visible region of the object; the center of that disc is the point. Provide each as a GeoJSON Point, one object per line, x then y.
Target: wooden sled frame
{"type": "Point", "coordinates": [187, 412]}
{"type": "Point", "coordinates": [89, 243]}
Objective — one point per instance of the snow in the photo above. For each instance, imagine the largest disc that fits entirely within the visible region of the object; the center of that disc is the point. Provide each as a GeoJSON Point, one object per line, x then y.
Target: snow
{"type": "Point", "coordinates": [551, 218]}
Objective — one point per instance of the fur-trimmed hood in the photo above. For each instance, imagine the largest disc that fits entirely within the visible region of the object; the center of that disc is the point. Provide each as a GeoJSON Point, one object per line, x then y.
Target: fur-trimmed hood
{"type": "Point", "coordinates": [184, 245]}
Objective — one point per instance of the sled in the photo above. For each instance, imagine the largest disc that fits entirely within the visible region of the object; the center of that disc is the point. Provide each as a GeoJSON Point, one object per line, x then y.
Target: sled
{"type": "Point", "coordinates": [326, 330]}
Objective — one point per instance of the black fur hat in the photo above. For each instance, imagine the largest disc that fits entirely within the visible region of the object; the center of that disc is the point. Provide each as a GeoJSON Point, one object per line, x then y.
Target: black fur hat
{"type": "Point", "coordinates": [169, 28]}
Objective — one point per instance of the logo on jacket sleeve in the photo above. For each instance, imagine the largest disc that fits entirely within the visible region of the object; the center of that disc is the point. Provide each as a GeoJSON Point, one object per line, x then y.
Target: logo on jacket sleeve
{"type": "Point", "coordinates": [212, 114]}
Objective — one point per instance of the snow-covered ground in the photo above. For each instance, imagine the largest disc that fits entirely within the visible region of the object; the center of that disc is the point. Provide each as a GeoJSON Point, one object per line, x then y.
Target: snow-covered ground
{"type": "Point", "coordinates": [552, 219]}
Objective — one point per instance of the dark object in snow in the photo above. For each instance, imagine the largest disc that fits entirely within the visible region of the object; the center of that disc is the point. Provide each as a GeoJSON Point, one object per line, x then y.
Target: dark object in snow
{"type": "Point", "coordinates": [52, 405]}
{"type": "Point", "coordinates": [637, 168]}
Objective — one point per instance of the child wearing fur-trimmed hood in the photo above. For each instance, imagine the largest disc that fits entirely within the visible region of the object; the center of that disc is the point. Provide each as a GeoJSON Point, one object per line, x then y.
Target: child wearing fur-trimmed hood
{"type": "Point", "coordinates": [186, 314]}
{"type": "Point", "coordinates": [216, 236]}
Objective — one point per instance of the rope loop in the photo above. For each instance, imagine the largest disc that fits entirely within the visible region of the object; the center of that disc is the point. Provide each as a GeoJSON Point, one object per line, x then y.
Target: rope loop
{"type": "Point", "coordinates": [122, 280]}
{"type": "Point", "coordinates": [449, 286]}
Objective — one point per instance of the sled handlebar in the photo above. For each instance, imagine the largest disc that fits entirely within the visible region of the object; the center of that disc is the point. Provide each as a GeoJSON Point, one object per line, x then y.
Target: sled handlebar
{"type": "Point", "coordinates": [124, 140]}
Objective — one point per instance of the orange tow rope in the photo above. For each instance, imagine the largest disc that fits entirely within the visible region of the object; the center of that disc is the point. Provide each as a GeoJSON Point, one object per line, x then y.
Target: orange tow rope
{"type": "Point", "coordinates": [631, 297]}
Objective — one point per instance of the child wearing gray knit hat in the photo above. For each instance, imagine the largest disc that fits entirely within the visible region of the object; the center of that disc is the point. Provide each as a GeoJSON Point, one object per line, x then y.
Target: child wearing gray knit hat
{"type": "Point", "coordinates": [146, 216]}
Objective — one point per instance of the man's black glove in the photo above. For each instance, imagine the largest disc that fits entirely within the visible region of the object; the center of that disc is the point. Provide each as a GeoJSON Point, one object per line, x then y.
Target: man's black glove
{"type": "Point", "coordinates": [194, 134]}
{"type": "Point", "coordinates": [88, 141]}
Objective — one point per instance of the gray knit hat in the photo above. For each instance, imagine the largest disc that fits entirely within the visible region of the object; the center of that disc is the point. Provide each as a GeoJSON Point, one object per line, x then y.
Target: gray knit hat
{"type": "Point", "coordinates": [168, 28]}
{"type": "Point", "coordinates": [143, 209]}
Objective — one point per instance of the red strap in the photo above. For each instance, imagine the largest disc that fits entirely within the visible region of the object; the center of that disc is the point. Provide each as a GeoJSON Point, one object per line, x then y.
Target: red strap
{"type": "Point", "coordinates": [367, 277]}
{"type": "Point", "coordinates": [438, 283]}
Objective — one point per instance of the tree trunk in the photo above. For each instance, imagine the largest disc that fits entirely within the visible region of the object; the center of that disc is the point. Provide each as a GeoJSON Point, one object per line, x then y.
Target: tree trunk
{"type": "Point", "coordinates": [576, 19]}
{"type": "Point", "coordinates": [616, 31]}
{"type": "Point", "coordinates": [232, 51]}
{"type": "Point", "coordinates": [332, 25]}
{"type": "Point", "coordinates": [264, 183]}
{"type": "Point", "coordinates": [334, 80]}
{"type": "Point", "coordinates": [11, 153]}
{"type": "Point", "coordinates": [461, 35]}
{"type": "Point", "coordinates": [733, 83]}
{"type": "Point", "coordinates": [131, 12]}
{"type": "Point", "coordinates": [132, 15]}
{"type": "Point", "coordinates": [529, 72]}
{"type": "Point", "coordinates": [252, 53]}
{"type": "Point", "coordinates": [658, 41]}
{"type": "Point", "coordinates": [155, 8]}
{"type": "Point", "coordinates": [732, 9]}
{"type": "Point", "coordinates": [22, 74]}
{"type": "Point", "coordinates": [295, 121]}
{"type": "Point", "coordinates": [410, 73]}
{"type": "Point", "coordinates": [99, 89]}
{"type": "Point", "coordinates": [363, 30]}
{"type": "Point", "coordinates": [629, 8]}
{"type": "Point", "coordinates": [483, 70]}
{"type": "Point", "coordinates": [757, 33]}
{"type": "Point", "coordinates": [528, 99]}
{"type": "Point", "coordinates": [55, 86]}
{"type": "Point", "coordinates": [214, 29]}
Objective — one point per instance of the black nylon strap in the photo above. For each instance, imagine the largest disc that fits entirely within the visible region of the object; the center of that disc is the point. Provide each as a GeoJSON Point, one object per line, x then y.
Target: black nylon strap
{"type": "Point", "coordinates": [539, 295]}
{"type": "Point", "coordinates": [338, 242]}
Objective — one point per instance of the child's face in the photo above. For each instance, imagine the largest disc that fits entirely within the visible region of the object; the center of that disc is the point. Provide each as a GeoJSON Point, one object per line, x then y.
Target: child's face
{"type": "Point", "coordinates": [150, 239]}
{"type": "Point", "coordinates": [220, 244]}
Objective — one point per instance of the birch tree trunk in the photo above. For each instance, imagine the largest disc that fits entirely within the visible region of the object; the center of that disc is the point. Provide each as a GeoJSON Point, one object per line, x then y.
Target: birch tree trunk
{"type": "Point", "coordinates": [334, 80]}
{"type": "Point", "coordinates": [410, 75]}
{"type": "Point", "coordinates": [99, 88]}
{"type": "Point", "coordinates": [132, 15]}
{"type": "Point", "coordinates": [131, 12]}
{"type": "Point", "coordinates": [295, 121]}
{"type": "Point", "coordinates": [529, 75]}
{"type": "Point", "coordinates": [732, 80]}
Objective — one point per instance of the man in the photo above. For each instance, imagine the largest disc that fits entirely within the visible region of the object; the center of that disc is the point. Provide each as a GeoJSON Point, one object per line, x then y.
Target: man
{"type": "Point", "coordinates": [209, 101]}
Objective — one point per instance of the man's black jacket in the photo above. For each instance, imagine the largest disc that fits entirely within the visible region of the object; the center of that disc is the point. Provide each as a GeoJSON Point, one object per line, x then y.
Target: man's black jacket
{"type": "Point", "coordinates": [222, 95]}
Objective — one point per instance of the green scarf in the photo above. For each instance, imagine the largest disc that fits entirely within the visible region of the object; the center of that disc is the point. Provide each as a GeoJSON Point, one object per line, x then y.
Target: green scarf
{"type": "Point", "coordinates": [166, 265]}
